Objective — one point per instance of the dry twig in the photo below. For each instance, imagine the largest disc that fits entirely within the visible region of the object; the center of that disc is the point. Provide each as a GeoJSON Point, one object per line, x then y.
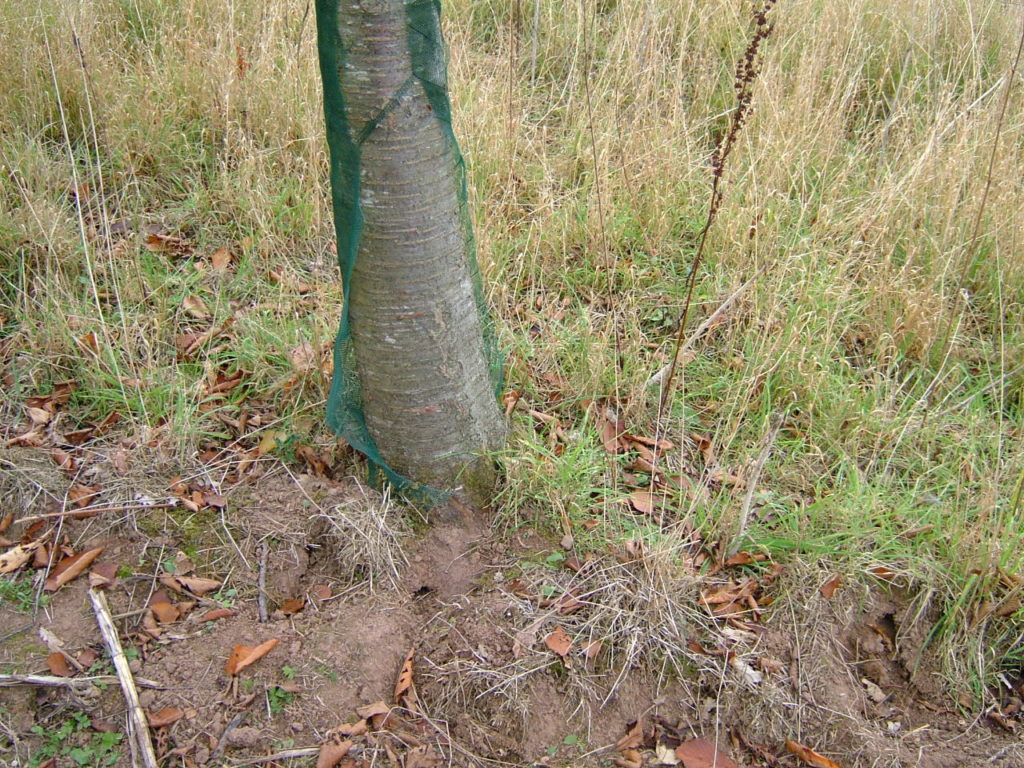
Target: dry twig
{"type": "Point", "coordinates": [703, 327]}
{"type": "Point", "coordinates": [755, 475]}
{"type": "Point", "coordinates": [52, 681]}
{"type": "Point", "coordinates": [261, 593]}
{"type": "Point", "coordinates": [288, 754]}
{"type": "Point", "coordinates": [137, 718]}
{"type": "Point", "coordinates": [90, 511]}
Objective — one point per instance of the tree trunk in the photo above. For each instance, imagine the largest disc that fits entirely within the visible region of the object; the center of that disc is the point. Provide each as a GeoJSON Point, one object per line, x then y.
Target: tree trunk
{"type": "Point", "coordinates": [411, 360]}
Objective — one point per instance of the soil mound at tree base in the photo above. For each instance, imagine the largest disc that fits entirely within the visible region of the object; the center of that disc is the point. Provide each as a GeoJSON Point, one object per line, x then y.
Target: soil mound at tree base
{"type": "Point", "coordinates": [516, 659]}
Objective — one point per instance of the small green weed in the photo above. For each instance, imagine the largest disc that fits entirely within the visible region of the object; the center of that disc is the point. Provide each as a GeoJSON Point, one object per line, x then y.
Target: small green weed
{"type": "Point", "coordinates": [20, 594]}
{"type": "Point", "coordinates": [278, 699]}
{"type": "Point", "coordinates": [73, 741]}
{"type": "Point", "coordinates": [226, 597]}
{"type": "Point", "coordinates": [325, 671]}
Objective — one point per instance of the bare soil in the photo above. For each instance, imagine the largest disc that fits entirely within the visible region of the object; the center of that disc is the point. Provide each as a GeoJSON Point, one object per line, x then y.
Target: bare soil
{"type": "Point", "coordinates": [849, 677]}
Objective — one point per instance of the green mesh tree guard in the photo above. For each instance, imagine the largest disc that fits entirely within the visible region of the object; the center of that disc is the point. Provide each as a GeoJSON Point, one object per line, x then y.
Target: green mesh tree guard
{"type": "Point", "coordinates": [345, 412]}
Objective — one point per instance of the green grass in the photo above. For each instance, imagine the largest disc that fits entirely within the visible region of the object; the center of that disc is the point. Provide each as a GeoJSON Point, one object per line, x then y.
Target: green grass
{"type": "Point", "coordinates": [20, 594]}
{"type": "Point", "coordinates": [854, 187]}
{"type": "Point", "coordinates": [73, 741]}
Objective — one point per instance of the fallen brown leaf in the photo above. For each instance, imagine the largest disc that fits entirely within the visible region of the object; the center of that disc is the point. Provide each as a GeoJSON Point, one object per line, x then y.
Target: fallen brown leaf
{"type": "Point", "coordinates": [102, 726]}
{"type": "Point", "coordinates": [196, 307]}
{"type": "Point", "coordinates": [14, 558]}
{"type": "Point", "coordinates": [31, 439]}
{"type": "Point", "coordinates": [744, 558]}
{"type": "Point", "coordinates": [316, 463]}
{"type": "Point", "coordinates": [35, 532]}
{"type": "Point", "coordinates": [591, 649]}
{"type": "Point", "coordinates": [58, 665]}
{"type": "Point", "coordinates": [404, 684]}
{"type": "Point", "coordinates": [165, 716]}
{"type": "Point", "coordinates": [43, 557]}
{"type": "Point", "coordinates": [370, 711]}
{"type": "Point", "coordinates": [164, 612]}
{"type": "Point", "coordinates": [62, 391]}
{"type": "Point", "coordinates": [160, 243]}
{"type": "Point", "coordinates": [829, 587]}
{"type": "Point", "coordinates": [883, 573]}
{"type": "Point", "coordinates": [809, 756]}
{"type": "Point", "coordinates": [70, 568]}
{"type": "Point", "coordinates": [644, 502]}
{"type": "Point", "coordinates": [292, 606]}
{"type": "Point", "coordinates": [633, 738]}
{"type": "Point", "coordinates": [194, 584]}
{"type": "Point", "coordinates": [149, 624]}
{"type": "Point", "coordinates": [243, 655]}
{"type": "Point", "coordinates": [698, 753]}
{"type": "Point", "coordinates": [559, 642]}
{"type": "Point", "coordinates": [80, 495]}
{"type": "Point", "coordinates": [221, 258]}
{"type": "Point", "coordinates": [218, 613]}
{"type": "Point", "coordinates": [510, 399]}
{"type": "Point", "coordinates": [320, 591]}
{"type": "Point", "coordinates": [331, 753]}
{"type": "Point", "coordinates": [103, 575]}
{"type": "Point", "coordinates": [1002, 721]}
{"type": "Point", "coordinates": [611, 428]}
{"type": "Point", "coordinates": [64, 460]}
{"type": "Point", "coordinates": [423, 756]}
{"type": "Point", "coordinates": [214, 500]}
{"type": "Point", "coordinates": [661, 444]}
{"type": "Point", "coordinates": [349, 730]}
{"type": "Point", "coordinates": [731, 593]}
{"type": "Point", "coordinates": [39, 417]}
{"type": "Point", "coordinates": [705, 446]}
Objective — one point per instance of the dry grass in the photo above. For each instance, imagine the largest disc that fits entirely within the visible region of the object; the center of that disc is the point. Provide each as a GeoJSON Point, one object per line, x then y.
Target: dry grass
{"type": "Point", "coordinates": [588, 128]}
{"type": "Point", "coordinates": [364, 536]}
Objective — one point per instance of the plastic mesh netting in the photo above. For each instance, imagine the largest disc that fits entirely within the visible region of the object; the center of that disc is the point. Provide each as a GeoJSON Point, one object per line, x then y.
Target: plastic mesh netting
{"type": "Point", "coordinates": [427, 60]}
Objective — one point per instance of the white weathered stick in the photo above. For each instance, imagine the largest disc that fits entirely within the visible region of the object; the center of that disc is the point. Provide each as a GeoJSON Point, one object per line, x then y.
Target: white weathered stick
{"type": "Point", "coordinates": [722, 308]}
{"type": "Point", "coordinates": [136, 716]}
{"type": "Point", "coordinates": [53, 681]}
{"type": "Point", "coordinates": [755, 476]}
{"type": "Point", "coordinates": [288, 754]}
{"type": "Point", "coordinates": [261, 585]}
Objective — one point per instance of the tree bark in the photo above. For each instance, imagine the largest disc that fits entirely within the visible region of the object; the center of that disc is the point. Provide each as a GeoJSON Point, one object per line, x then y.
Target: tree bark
{"type": "Point", "coordinates": [416, 327]}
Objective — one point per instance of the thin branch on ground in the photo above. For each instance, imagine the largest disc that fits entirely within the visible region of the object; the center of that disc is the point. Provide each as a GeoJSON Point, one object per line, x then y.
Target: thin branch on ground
{"type": "Point", "coordinates": [52, 681]}
{"type": "Point", "coordinates": [261, 585]}
{"type": "Point", "coordinates": [223, 742]}
{"type": "Point", "coordinates": [91, 511]}
{"type": "Point", "coordinates": [755, 476]}
{"type": "Point", "coordinates": [287, 754]}
{"type": "Point", "coordinates": [136, 716]}
{"type": "Point", "coordinates": [703, 327]}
